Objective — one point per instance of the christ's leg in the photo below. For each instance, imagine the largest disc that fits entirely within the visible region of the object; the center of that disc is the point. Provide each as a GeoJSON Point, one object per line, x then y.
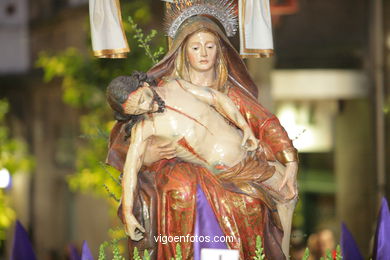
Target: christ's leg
{"type": "Point", "coordinates": [285, 207]}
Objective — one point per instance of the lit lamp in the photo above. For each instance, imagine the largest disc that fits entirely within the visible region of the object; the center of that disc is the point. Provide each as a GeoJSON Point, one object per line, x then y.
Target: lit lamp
{"type": "Point", "coordinates": [5, 178]}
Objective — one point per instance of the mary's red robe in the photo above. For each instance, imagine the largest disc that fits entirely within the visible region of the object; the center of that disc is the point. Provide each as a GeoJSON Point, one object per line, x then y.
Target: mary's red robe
{"type": "Point", "coordinates": [166, 195]}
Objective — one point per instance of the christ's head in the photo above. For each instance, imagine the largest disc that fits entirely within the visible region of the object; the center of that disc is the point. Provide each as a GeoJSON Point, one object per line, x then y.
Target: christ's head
{"type": "Point", "coordinates": [132, 95]}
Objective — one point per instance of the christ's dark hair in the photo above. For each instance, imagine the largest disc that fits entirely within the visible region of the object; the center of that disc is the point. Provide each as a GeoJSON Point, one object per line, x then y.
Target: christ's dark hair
{"type": "Point", "coordinates": [121, 87]}
{"type": "Point", "coordinates": [118, 91]}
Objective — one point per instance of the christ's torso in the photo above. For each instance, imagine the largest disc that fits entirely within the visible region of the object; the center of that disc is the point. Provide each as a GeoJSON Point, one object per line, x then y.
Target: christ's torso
{"type": "Point", "coordinates": [201, 135]}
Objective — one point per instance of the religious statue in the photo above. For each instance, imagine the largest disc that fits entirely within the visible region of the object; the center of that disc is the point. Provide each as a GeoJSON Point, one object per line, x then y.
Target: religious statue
{"type": "Point", "coordinates": [188, 119]}
{"type": "Point", "coordinates": [199, 155]}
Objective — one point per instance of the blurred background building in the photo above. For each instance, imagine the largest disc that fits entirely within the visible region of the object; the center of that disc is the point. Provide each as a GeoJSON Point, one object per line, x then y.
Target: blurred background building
{"type": "Point", "coordinates": [328, 83]}
{"type": "Point", "coordinates": [53, 215]}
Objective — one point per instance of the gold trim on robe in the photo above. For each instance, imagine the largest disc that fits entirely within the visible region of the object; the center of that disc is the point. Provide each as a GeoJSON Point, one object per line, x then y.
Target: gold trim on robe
{"type": "Point", "coordinates": [107, 31]}
{"type": "Point", "coordinates": [117, 53]}
{"type": "Point", "coordinates": [248, 52]}
{"type": "Point", "coordinates": [288, 155]}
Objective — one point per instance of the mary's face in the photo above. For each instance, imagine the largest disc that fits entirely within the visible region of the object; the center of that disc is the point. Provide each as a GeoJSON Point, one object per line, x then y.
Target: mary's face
{"type": "Point", "coordinates": [202, 51]}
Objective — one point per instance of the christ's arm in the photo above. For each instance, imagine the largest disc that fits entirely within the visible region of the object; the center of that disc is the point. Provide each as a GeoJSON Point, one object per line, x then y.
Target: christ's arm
{"type": "Point", "coordinates": [134, 161]}
{"type": "Point", "coordinates": [225, 106]}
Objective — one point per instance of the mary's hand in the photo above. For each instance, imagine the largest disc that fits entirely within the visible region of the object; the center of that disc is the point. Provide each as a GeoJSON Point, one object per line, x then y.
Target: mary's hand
{"type": "Point", "coordinates": [290, 180]}
{"type": "Point", "coordinates": [131, 227]}
{"type": "Point", "coordinates": [157, 151]}
{"type": "Point", "coordinates": [249, 141]}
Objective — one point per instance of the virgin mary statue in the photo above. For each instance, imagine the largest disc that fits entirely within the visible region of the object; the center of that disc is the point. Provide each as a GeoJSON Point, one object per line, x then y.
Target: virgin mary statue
{"type": "Point", "coordinates": [180, 199]}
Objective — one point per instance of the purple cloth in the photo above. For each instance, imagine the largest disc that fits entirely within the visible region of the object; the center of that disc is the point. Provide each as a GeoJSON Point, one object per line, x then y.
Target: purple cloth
{"type": "Point", "coordinates": [22, 248]}
{"type": "Point", "coordinates": [73, 253]}
{"type": "Point", "coordinates": [382, 240]}
{"type": "Point", "coordinates": [349, 248]}
{"type": "Point", "coordinates": [85, 252]}
{"type": "Point", "coordinates": [206, 225]}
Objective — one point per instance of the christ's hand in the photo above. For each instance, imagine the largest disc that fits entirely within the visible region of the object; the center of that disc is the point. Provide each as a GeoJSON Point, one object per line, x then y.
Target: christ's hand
{"type": "Point", "coordinates": [158, 150]}
{"type": "Point", "coordinates": [249, 141]}
{"type": "Point", "coordinates": [290, 180]}
{"type": "Point", "coordinates": [131, 228]}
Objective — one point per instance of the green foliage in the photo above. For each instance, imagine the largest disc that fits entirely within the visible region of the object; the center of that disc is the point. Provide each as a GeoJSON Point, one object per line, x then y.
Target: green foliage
{"type": "Point", "coordinates": [386, 109]}
{"type": "Point", "coordinates": [328, 255]}
{"type": "Point", "coordinates": [111, 194]}
{"type": "Point", "coordinates": [146, 255]}
{"type": "Point", "coordinates": [7, 214]}
{"type": "Point", "coordinates": [116, 252]}
{"type": "Point", "coordinates": [136, 254]}
{"type": "Point", "coordinates": [338, 253]}
{"type": "Point", "coordinates": [178, 255]}
{"type": "Point", "coordinates": [259, 249]}
{"type": "Point", "coordinates": [13, 157]}
{"type": "Point", "coordinates": [102, 248]}
{"type": "Point", "coordinates": [306, 254]}
{"type": "Point", "coordinates": [13, 152]}
{"type": "Point", "coordinates": [114, 244]}
{"type": "Point", "coordinates": [84, 80]}
{"type": "Point", "coordinates": [144, 41]}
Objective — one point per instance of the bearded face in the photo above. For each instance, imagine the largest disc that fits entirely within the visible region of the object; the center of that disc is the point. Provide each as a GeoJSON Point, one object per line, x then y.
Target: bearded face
{"type": "Point", "coordinates": [143, 100]}
{"type": "Point", "coordinates": [140, 101]}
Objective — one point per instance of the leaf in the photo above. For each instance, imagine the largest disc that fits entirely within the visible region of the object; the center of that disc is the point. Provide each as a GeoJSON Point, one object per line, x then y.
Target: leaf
{"type": "Point", "coordinates": [306, 254]}
{"type": "Point", "coordinates": [146, 255]}
{"type": "Point", "coordinates": [136, 254]}
{"type": "Point", "coordinates": [328, 255]}
{"type": "Point", "coordinates": [102, 253]}
{"type": "Point", "coordinates": [338, 253]}
{"type": "Point", "coordinates": [178, 255]}
{"type": "Point", "coordinates": [259, 249]}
